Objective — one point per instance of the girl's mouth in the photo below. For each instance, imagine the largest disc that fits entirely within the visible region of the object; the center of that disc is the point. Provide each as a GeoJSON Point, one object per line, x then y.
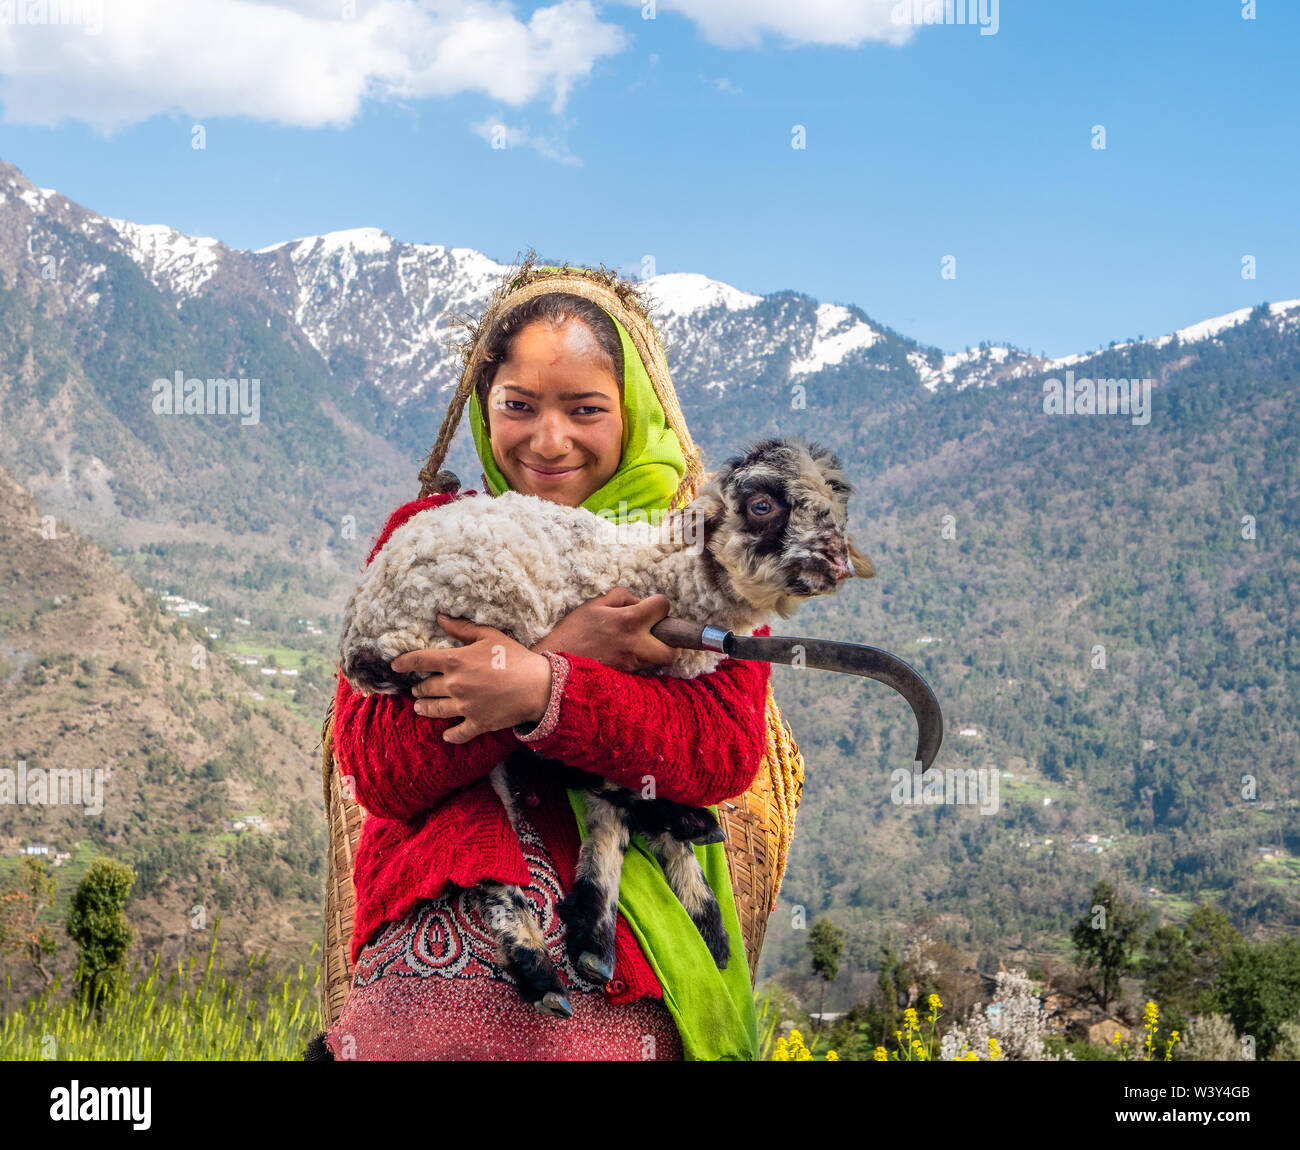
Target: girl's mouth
{"type": "Point", "coordinates": [549, 474]}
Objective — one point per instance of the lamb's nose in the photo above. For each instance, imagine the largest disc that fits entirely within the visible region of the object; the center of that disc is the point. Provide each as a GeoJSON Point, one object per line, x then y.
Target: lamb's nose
{"type": "Point", "coordinates": [838, 555]}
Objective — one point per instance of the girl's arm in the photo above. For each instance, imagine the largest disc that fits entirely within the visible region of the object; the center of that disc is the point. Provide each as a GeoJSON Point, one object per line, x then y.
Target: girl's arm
{"type": "Point", "coordinates": [699, 740]}
{"type": "Point", "coordinates": [400, 764]}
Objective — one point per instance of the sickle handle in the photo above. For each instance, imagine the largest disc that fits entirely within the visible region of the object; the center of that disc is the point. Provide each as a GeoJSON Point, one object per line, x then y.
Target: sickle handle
{"type": "Point", "coordinates": [680, 633]}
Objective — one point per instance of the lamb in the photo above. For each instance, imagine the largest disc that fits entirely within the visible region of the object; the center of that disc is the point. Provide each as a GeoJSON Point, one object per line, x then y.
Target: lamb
{"type": "Point", "coordinates": [766, 531]}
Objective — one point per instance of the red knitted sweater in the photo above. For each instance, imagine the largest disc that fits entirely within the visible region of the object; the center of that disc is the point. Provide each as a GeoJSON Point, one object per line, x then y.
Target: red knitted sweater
{"type": "Point", "coordinates": [433, 819]}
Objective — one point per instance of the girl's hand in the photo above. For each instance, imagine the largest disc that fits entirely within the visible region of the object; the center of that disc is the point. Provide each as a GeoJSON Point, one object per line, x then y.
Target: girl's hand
{"type": "Point", "coordinates": [493, 682]}
{"type": "Point", "coordinates": [614, 629]}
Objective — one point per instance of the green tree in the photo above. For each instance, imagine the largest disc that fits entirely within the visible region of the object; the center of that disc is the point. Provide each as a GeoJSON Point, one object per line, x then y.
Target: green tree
{"type": "Point", "coordinates": [24, 897]}
{"type": "Point", "coordinates": [826, 942]}
{"type": "Point", "coordinates": [1259, 989]}
{"type": "Point", "coordinates": [894, 976]}
{"type": "Point", "coordinates": [97, 924]}
{"type": "Point", "coordinates": [1211, 938]}
{"type": "Point", "coordinates": [1168, 968]}
{"type": "Point", "coordinates": [1105, 939]}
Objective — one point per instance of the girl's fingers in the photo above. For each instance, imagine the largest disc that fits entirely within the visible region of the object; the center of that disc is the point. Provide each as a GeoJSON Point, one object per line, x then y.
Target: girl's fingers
{"type": "Point", "coordinates": [616, 597]}
{"type": "Point", "coordinates": [431, 687]}
{"type": "Point", "coordinates": [462, 732]}
{"type": "Point", "coordinates": [432, 659]}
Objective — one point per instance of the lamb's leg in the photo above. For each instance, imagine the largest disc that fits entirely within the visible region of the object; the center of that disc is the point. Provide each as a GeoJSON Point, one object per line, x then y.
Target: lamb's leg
{"type": "Point", "coordinates": [686, 877]}
{"type": "Point", "coordinates": [686, 824]}
{"type": "Point", "coordinates": [521, 947]}
{"type": "Point", "coordinates": [590, 909]}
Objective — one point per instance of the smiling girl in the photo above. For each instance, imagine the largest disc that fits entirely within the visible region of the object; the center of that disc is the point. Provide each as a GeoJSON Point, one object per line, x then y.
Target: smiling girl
{"type": "Point", "coordinates": [561, 407]}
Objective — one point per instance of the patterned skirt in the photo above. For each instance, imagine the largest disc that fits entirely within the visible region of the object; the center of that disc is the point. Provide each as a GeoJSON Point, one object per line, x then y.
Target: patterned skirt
{"type": "Point", "coordinates": [430, 988]}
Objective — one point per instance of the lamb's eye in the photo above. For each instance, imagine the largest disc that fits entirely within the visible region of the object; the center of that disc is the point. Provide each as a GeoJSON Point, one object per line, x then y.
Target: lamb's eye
{"type": "Point", "coordinates": [760, 507]}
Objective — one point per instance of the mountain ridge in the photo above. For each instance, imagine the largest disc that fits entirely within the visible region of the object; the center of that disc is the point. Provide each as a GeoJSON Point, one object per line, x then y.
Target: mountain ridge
{"type": "Point", "coordinates": [183, 265]}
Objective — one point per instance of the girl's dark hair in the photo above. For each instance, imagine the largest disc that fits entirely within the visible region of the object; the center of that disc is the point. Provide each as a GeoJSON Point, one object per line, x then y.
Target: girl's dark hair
{"type": "Point", "coordinates": [555, 309]}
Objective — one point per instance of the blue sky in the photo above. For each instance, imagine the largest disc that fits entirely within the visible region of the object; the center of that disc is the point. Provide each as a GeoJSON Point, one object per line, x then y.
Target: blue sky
{"type": "Point", "coordinates": [670, 138]}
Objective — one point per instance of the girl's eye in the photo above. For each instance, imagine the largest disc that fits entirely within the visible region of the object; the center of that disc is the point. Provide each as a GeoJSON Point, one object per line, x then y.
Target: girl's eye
{"type": "Point", "coordinates": [506, 403]}
{"type": "Point", "coordinates": [588, 410]}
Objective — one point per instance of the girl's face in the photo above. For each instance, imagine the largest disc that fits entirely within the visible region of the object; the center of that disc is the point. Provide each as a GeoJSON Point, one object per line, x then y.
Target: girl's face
{"type": "Point", "coordinates": [554, 416]}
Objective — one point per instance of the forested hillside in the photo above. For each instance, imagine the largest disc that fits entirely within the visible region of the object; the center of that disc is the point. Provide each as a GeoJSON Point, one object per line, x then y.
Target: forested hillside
{"type": "Point", "coordinates": [1098, 617]}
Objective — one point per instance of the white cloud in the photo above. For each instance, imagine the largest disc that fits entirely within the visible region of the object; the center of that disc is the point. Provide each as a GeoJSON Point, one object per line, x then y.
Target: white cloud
{"type": "Point", "coordinates": [497, 132]}
{"type": "Point", "coordinates": [306, 63]}
{"type": "Point", "coordinates": [745, 23]}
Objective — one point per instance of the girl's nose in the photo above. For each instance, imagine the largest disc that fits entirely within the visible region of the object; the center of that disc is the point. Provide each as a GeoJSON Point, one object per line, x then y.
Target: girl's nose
{"type": "Point", "coordinates": [550, 438]}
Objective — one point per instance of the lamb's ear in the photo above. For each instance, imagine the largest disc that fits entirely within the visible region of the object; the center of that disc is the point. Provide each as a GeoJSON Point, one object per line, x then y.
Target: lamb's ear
{"type": "Point", "coordinates": [863, 568]}
{"type": "Point", "coordinates": [711, 509]}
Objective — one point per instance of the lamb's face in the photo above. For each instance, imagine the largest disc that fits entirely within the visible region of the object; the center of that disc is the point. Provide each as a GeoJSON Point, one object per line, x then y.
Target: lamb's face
{"type": "Point", "coordinates": [776, 520]}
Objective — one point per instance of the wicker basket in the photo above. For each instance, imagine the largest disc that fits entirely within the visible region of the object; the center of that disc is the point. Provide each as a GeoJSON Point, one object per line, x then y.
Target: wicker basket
{"type": "Point", "coordinates": [759, 823]}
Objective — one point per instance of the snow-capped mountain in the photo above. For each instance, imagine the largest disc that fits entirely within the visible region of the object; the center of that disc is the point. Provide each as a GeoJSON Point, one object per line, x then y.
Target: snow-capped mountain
{"type": "Point", "coordinates": [362, 291]}
{"type": "Point", "coordinates": [379, 310]}
{"type": "Point", "coordinates": [985, 365]}
{"type": "Point", "coordinates": [382, 308]}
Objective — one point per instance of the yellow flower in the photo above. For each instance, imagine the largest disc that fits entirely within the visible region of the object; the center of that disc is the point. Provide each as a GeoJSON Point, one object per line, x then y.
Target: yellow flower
{"type": "Point", "coordinates": [881, 1055]}
{"type": "Point", "coordinates": [934, 1002]}
{"type": "Point", "coordinates": [792, 1048]}
{"type": "Point", "coordinates": [910, 1021]}
{"type": "Point", "coordinates": [831, 1056]}
{"type": "Point", "coordinates": [995, 1051]}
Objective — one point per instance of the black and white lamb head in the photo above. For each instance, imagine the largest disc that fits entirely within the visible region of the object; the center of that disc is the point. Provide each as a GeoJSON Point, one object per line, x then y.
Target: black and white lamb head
{"type": "Point", "coordinates": [775, 519]}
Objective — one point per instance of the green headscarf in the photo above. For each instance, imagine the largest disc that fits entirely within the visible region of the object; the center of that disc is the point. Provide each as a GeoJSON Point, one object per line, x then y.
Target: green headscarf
{"type": "Point", "coordinates": [713, 1009]}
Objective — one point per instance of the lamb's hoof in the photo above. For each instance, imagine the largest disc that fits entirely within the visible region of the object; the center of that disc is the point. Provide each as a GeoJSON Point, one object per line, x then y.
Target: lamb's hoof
{"type": "Point", "coordinates": [554, 1005]}
{"type": "Point", "coordinates": [317, 1051]}
{"type": "Point", "coordinates": [595, 968]}
{"type": "Point", "coordinates": [716, 835]}
{"type": "Point", "coordinates": [709, 923]}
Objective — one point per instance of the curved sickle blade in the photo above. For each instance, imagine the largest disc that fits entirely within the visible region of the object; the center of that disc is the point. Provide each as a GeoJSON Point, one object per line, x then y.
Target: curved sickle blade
{"type": "Point", "coordinates": [854, 659]}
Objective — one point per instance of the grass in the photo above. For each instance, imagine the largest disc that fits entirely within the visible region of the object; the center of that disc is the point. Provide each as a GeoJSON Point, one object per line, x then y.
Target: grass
{"type": "Point", "coordinates": [1279, 872]}
{"type": "Point", "coordinates": [1029, 791]}
{"type": "Point", "coordinates": [284, 656]}
{"type": "Point", "coordinates": [254, 1016]}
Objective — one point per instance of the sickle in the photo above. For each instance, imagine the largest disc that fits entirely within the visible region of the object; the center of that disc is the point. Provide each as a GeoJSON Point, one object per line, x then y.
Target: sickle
{"type": "Point", "coordinates": [826, 654]}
